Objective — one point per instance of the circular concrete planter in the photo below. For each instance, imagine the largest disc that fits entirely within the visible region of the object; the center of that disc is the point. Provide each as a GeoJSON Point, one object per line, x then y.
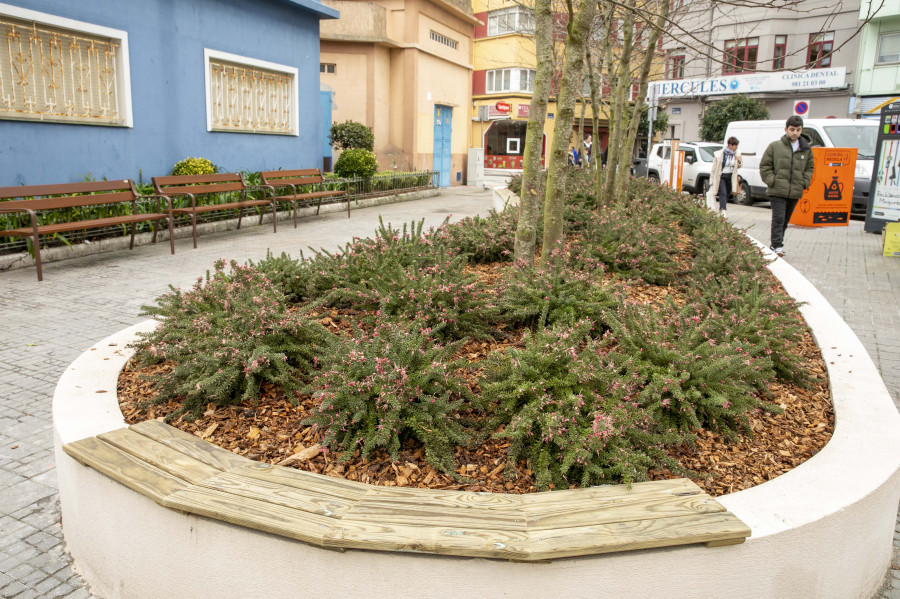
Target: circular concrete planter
{"type": "Point", "coordinates": [822, 530]}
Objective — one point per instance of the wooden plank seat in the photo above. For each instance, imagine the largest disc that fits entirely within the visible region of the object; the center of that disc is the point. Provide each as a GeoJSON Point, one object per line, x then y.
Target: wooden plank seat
{"type": "Point", "coordinates": [39, 201]}
{"type": "Point", "coordinates": [182, 472]}
{"type": "Point", "coordinates": [303, 185]}
{"type": "Point", "coordinates": [206, 193]}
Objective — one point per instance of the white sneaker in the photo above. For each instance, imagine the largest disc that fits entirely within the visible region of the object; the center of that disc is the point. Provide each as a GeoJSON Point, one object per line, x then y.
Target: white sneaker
{"type": "Point", "coordinates": [779, 251]}
{"type": "Point", "coordinates": [724, 214]}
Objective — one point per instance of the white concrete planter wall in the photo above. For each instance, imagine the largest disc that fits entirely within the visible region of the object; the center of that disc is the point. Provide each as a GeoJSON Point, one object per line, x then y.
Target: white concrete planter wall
{"type": "Point", "coordinates": [823, 530]}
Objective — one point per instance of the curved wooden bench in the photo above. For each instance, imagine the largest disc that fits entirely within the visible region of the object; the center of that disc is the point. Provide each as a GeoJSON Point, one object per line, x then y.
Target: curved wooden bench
{"type": "Point", "coordinates": [182, 472]}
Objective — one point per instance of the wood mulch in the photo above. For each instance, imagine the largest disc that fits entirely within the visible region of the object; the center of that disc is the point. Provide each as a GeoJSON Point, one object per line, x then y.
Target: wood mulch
{"type": "Point", "coordinates": [271, 429]}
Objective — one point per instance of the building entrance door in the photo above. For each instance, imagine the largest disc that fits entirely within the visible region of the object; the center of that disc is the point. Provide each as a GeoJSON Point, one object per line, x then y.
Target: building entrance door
{"type": "Point", "coordinates": [443, 123]}
{"type": "Point", "coordinates": [325, 101]}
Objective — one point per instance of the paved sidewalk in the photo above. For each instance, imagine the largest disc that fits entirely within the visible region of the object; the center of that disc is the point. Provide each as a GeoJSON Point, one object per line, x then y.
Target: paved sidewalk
{"type": "Point", "coordinates": [48, 325]}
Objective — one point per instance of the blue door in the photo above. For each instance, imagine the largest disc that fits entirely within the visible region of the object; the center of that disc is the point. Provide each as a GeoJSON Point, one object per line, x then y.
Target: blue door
{"type": "Point", "coordinates": [325, 101]}
{"type": "Point", "coordinates": [443, 123]}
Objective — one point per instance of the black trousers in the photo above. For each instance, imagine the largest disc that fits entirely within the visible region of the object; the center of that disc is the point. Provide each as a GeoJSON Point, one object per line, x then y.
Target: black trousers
{"type": "Point", "coordinates": [782, 209]}
{"type": "Point", "coordinates": [724, 191]}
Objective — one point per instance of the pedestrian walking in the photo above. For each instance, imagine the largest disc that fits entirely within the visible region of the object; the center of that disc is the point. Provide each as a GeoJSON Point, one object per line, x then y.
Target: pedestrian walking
{"type": "Point", "coordinates": [588, 142]}
{"type": "Point", "coordinates": [786, 168]}
{"type": "Point", "coordinates": [723, 178]}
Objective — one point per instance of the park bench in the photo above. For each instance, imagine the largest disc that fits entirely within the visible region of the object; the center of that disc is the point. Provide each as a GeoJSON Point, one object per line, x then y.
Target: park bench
{"type": "Point", "coordinates": [301, 186]}
{"type": "Point", "coordinates": [38, 202]}
{"type": "Point", "coordinates": [182, 472]}
{"type": "Point", "coordinates": [211, 193]}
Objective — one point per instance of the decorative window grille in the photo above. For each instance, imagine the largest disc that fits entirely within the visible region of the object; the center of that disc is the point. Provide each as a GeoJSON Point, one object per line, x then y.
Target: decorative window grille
{"type": "Point", "coordinates": [250, 96]}
{"type": "Point", "coordinates": [442, 39]}
{"type": "Point", "coordinates": [60, 70]}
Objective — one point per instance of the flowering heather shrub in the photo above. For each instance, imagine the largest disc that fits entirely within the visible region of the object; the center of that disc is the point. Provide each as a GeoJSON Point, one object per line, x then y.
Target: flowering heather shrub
{"type": "Point", "coordinates": [636, 240]}
{"type": "Point", "coordinates": [386, 386]}
{"type": "Point", "coordinates": [485, 240]}
{"type": "Point", "coordinates": [294, 278]}
{"type": "Point", "coordinates": [686, 378]}
{"type": "Point", "coordinates": [557, 296]}
{"type": "Point", "coordinates": [578, 423]}
{"type": "Point", "coordinates": [227, 335]}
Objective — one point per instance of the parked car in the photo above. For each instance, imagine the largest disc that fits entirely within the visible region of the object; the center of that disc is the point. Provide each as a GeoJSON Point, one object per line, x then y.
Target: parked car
{"type": "Point", "coordinates": [755, 136]}
{"type": "Point", "coordinates": [698, 159]}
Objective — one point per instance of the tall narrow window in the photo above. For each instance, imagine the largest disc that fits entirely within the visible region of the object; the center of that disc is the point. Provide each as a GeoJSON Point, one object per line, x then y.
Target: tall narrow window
{"type": "Point", "coordinates": [820, 48]}
{"type": "Point", "coordinates": [60, 70]}
{"type": "Point", "coordinates": [246, 95]}
{"type": "Point", "coordinates": [675, 68]}
{"type": "Point", "coordinates": [740, 56]}
{"type": "Point", "coordinates": [779, 53]}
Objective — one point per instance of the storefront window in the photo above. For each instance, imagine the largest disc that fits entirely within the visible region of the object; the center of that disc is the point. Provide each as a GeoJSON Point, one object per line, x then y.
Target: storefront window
{"type": "Point", "coordinates": [503, 144]}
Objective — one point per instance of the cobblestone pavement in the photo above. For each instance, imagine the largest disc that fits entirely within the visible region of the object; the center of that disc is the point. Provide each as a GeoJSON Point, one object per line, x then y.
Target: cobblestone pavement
{"type": "Point", "coordinates": [47, 325]}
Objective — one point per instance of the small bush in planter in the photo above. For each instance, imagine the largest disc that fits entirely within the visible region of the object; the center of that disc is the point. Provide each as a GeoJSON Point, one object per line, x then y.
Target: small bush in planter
{"type": "Point", "coordinates": [356, 163]}
{"type": "Point", "coordinates": [195, 166]}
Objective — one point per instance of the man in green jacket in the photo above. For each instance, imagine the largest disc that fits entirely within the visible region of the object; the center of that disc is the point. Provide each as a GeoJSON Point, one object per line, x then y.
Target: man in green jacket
{"type": "Point", "coordinates": [786, 168]}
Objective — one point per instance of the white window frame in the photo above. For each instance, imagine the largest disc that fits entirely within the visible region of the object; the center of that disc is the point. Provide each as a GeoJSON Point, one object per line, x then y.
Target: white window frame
{"type": "Point", "coordinates": [209, 55]}
{"type": "Point", "coordinates": [512, 145]}
{"type": "Point", "coordinates": [123, 69]}
{"type": "Point", "coordinates": [522, 21]}
{"type": "Point", "coordinates": [881, 38]}
{"type": "Point", "coordinates": [511, 80]}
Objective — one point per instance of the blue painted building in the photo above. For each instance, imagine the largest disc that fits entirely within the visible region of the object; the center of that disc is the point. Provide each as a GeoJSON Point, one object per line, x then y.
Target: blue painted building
{"type": "Point", "coordinates": [114, 87]}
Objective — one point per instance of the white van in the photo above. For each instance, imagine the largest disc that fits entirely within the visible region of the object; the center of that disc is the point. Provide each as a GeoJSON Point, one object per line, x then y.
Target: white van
{"type": "Point", "coordinates": [755, 136]}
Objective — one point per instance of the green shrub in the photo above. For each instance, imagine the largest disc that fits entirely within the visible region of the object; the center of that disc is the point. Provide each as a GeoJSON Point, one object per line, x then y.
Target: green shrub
{"type": "Point", "coordinates": [350, 134]}
{"type": "Point", "coordinates": [356, 163]}
{"type": "Point", "coordinates": [194, 166]}
{"type": "Point", "coordinates": [226, 336]}
{"type": "Point", "coordinates": [294, 278]}
{"type": "Point", "coordinates": [561, 296]}
{"type": "Point", "coordinates": [387, 386]}
{"type": "Point", "coordinates": [484, 240]}
{"type": "Point", "coordinates": [574, 420]}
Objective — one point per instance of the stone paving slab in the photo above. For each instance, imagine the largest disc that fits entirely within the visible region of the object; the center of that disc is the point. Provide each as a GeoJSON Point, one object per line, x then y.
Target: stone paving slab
{"type": "Point", "coordinates": [47, 325]}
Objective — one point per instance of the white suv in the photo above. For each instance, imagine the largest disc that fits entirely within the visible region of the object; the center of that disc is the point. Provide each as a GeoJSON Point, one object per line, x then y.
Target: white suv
{"type": "Point", "coordinates": [698, 159]}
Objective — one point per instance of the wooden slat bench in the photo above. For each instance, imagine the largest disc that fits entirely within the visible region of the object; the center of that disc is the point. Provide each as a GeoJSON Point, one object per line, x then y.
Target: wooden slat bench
{"type": "Point", "coordinates": [37, 200]}
{"type": "Point", "coordinates": [182, 472]}
{"type": "Point", "coordinates": [302, 185]}
{"type": "Point", "coordinates": [205, 187]}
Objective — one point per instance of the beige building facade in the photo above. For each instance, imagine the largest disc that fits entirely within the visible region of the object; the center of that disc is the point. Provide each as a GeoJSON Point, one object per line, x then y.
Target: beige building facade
{"type": "Point", "coordinates": [403, 68]}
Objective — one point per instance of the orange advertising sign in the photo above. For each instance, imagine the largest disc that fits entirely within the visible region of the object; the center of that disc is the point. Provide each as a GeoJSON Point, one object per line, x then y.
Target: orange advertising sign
{"type": "Point", "coordinates": [827, 201]}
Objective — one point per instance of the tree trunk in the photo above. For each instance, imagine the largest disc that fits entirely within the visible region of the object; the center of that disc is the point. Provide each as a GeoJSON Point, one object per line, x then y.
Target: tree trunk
{"type": "Point", "coordinates": [643, 74]}
{"type": "Point", "coordinates": [529, 201]}
{"type": "Point", "coordinates": [619, 115]}
{"type": "Point", "coordinates": [578, 27]}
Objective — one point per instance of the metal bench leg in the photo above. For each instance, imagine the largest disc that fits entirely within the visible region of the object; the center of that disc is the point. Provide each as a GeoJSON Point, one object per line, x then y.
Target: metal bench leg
{"type": "Point", "coordinates": [319, 205]}
{"type": "Point", "coordinates": [155, 225]}
{"type": "Point", "coordinates": [274, 219]}
{"type": "Point", "coordinates": [240, 216]}
{"type": "Point", "coordinates": [171, 221]}
{"type": "Point", "coordinates": [133, 227]}
{"type": "Point", "coordinates": [36, 243]}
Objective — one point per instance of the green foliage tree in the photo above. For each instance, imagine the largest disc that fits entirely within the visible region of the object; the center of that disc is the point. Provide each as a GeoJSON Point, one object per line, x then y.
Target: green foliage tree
{"type": "Point", "coordinates": [350, 134]}
{"type": "Point", "coordinates": [660, 123]}
{"type": "Point", "coordinates": [356, 162]}
{"type": "Point", "coordinates": [735, 108]}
